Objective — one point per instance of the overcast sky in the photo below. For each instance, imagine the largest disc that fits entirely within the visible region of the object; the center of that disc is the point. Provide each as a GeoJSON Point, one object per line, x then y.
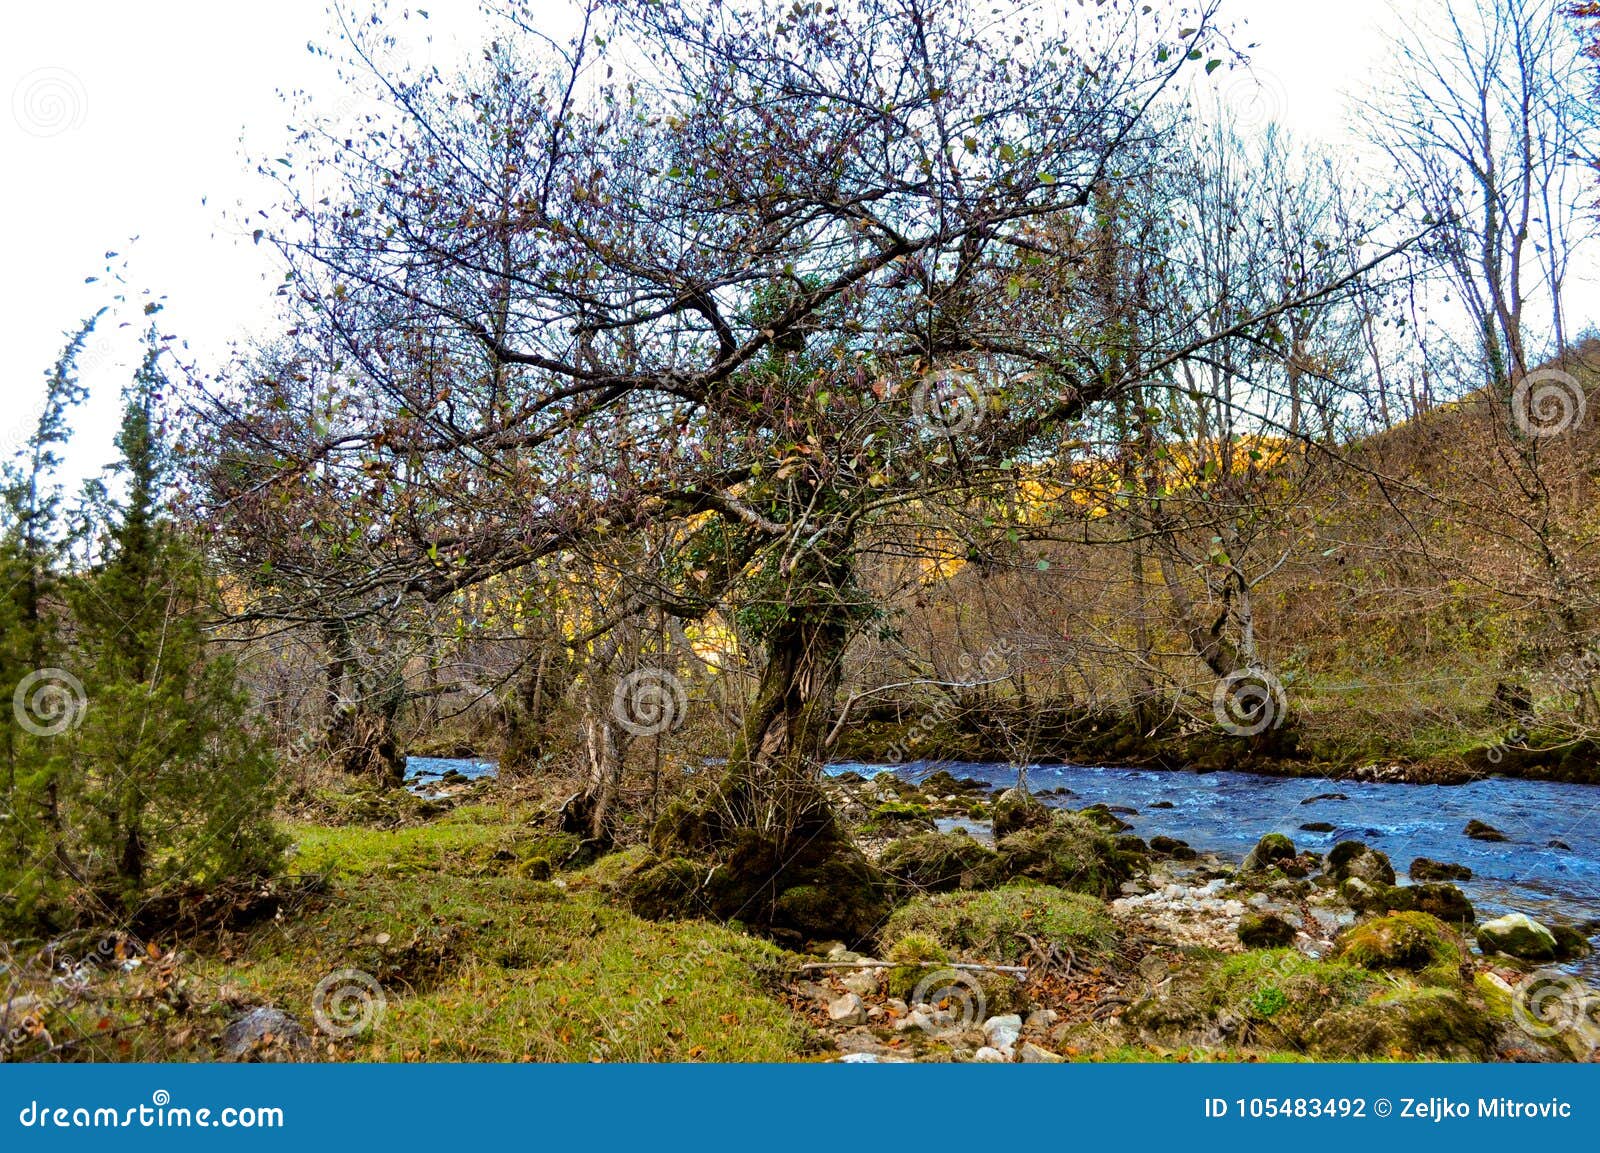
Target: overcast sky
{"type": "Point", "coordinates": [127, 120]}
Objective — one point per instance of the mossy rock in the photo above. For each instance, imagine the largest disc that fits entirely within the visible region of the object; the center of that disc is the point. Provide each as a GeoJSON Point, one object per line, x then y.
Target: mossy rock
{"type": "Point", "coordinates": [1445, 901]}
{"type": "Point", "coordinates": [937, 862]}
{"type": "Point", "coordinates": [1352, 860]}
{"type": "Point", "coordinates": [1427, 869]}
{"type": "Point", "coordinates": [1268, 851]}
{"type": "Point", "coordinates": [1265, 931]}
{"type": "Point", "coordinates": [535, 869]}
{"type": "Point", "coordinates": [1264, 999]}
{"type": "Point", "coordinates": [1518, 935]}
{"type": "Point", "coordinates": [1178, 850]}
{"type": "Point", "coordinates": [1015, 810]}
{"type": "Point", "coordinates": [1438, 1023]}
{"type": "Point", "coordinates": [1069, 852]}
{"type": "Point", "coordinates": [1413, 941]}
{"type": "Point", "coordinates": [1570, 942]}
{"type": "Point", "coordinates": [1102, 816]}
{"type": "Point", "coordinates": [992, 925]}
{"type": "Point", "coordinates": [898, 812]}
{"type": "Point", "coordinates": [662, 889]}
{"type": "Point", "coordinates": [823, 889]}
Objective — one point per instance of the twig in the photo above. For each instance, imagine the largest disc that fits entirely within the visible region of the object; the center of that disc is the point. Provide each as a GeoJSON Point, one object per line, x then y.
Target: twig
{"type": "Point", "coordinates": [1015, 970]}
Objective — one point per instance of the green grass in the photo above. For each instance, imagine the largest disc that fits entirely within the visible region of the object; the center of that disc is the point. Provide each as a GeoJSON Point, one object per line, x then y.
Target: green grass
{"type": "Point", "coordinates": [478, 963]}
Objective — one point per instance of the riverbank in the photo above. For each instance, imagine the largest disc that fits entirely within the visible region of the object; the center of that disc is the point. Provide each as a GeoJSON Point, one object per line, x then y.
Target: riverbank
{"type": "Point", "coordinates": [464, 929]}
{"type": "Point", "coordinates": [1333, 747]}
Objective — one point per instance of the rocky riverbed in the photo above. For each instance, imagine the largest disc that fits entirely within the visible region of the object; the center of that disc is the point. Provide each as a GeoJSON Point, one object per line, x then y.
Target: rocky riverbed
{"type": "Point", "coordinates": [1042, 928]}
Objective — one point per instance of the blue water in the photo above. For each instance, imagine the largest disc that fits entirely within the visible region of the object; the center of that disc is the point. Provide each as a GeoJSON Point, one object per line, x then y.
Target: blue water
{"type": "Point", "coordinates": [422, 773]}
{"type": "Point", "coordinates": [1228, 812]}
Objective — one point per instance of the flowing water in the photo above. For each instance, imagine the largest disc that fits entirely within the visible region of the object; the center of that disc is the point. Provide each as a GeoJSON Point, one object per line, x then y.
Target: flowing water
{"type": "Point", "coordinates": [1227, 813]}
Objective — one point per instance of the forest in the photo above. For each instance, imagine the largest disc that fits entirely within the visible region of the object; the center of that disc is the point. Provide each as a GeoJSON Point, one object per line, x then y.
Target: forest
{"type": "Point", "coordinates": [839, 531]}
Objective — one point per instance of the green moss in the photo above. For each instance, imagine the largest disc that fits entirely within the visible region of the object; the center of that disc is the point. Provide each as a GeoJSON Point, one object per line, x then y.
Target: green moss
{"type": "Point", "coordinates": [937, 862]}
{"type": "Point", "coordinates": [1407, 1024]}
{"type": "Point", "coordinates": [909, 952]}
{"type": "Point", "coordinates": [990, 926]}
{"type": "Point", "coordinates": [1414, 941]}
{"type": "Point", "coordinates": [1015, 810]}
{"type": "Point", "coordinates": [1269, 850]}
{"type": "Point", "coordinates": [891, 812]}
{"type": "Point", "coordinates": [1265, 931]}
{"type": "Point", "coordinates": [1070, 853]}
{"type": "Point", "coordinates": [501, 968]}
{"type": "Point", "coordinates": [1267, 999]}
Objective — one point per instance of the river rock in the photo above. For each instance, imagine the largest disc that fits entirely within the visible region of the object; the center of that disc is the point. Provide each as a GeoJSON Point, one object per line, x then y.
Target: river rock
{"type": "Point", "coordinates": [1352, 860]}
{"type": "Point", "coordinates": [1041, 1019]}
{"type": "Point", "coordinates": [862, 982]}
{"type": "Point", "coordinates": [1030, 1054]}
{"type": "Point", "coordinates": [1479, 831]}
{"type": "Point", "coordinates": [989, 1055]}
{"type": "Point", "coordinates": [1002, 1032]}
{"type": "Point", "coordinates": [847, 1010]}
{"type": "Point", "coordinates": [1427, 869]}
{"type": "Point", "coordinates": [1259, 930]}
{"type": "Point", "coordinates": [1269, 850]}
{"type": "Point", "coordinates": [264, 1034]}
{"type": "Point", "coordinates": [1015, 810]}
{"type": "Point", "coordinates": [1172, 847]}
{"type": "Point", "coordinates": [1517, 935]}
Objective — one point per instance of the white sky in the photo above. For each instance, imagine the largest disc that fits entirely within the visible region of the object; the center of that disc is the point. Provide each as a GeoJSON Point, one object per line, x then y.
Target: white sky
{"type": "Point", "coordinates": [146, 140]}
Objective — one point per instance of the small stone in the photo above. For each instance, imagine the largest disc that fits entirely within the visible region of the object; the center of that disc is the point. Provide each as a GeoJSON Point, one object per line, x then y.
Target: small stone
{"type": "Point", "coordinates": [916, 1019]}
{"type": "Point", "coordinates": [990, 1055]}
{"type": "Point", "coordinates": [862, 982]}
{"type": "Point", "coordinates": [264, 1034]}
{"type": "Point", "coordinates": [847, 1010]}
{"type": "Point", "coordinates": [1031, 1054]}
{"type": "Point", "coordinates": [1041, 1019]}
{"type": "Point", "coordinates": [1002, 1031]}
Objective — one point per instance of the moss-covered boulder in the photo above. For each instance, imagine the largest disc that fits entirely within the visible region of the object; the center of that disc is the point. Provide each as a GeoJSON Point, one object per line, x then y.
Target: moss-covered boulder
{"type": "Point", "coordinates": [901, 816]}
{"type": "Point", "coordinates": [1102, 816]}
{"type": "Point", "coordinates": [1414, 941]}
{"type": "Point", "coordinates": [1352, 860]}
{"type": "Point", "coordinates": [1427, 869]}
{"type": "Point", "coordinates": [1266, 999]}
{"type": "Point", "coordinates": [1269, 850]}
{"type": "Point", "coordinates": [1444, 901]}
{"type": "Point", "coordinates": [1070, 852]}
{"type": "Point", "coordinates": [1265, 931]}
{"type": "Point", "coordinates": [812, 884]}
{"type": "Point", "coordinates": [1518, 935]}
{"type": "Point", "coordinates": [1570, 942]}
{"type": "Point", "coordinates": [1434, 1022]}
{"type": "Point", "coordinates": [938, 862]}
{"type": "Point", "coordinates": [1018, 809]}
{"type": "Point", "coordinates": [996, 925]}
{"type": "Point", "coordinates": [1163, 846]}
